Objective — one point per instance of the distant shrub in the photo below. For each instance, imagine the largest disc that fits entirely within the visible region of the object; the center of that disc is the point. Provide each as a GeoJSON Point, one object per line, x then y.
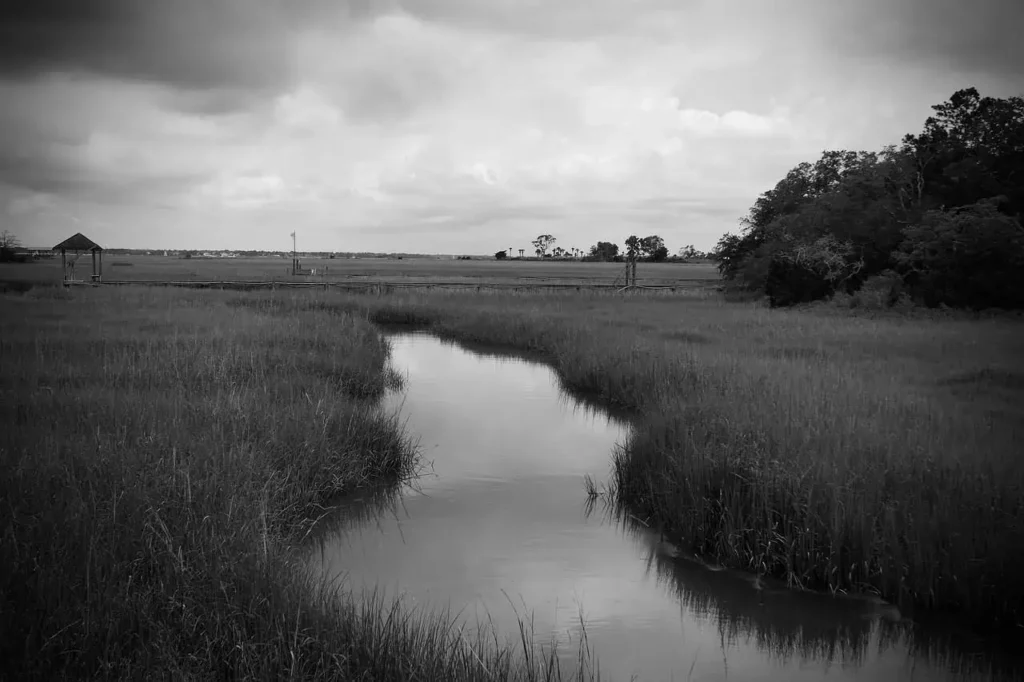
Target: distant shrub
{"type": "Point", "coordinates": [879, 291]}
{"type": "Point", "coordinates": [841, 299]}
{"type": "Point", "coordinates": [810, 272]}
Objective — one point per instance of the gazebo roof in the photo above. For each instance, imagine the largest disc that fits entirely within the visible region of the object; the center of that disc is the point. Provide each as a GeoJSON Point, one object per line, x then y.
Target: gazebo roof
{"type": "Point", "coordinates": [79, 242]}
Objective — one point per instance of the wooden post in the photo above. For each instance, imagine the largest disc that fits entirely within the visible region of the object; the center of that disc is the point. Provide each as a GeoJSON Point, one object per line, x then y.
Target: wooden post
{"type": "Point", "coordinates": [295, 255]}
{"type": "Point", "coordinates": [64, 266]}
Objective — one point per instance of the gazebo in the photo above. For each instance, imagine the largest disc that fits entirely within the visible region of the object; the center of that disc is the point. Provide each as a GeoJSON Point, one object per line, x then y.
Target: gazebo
{"type": "Point", "coordinates": [77, 245]}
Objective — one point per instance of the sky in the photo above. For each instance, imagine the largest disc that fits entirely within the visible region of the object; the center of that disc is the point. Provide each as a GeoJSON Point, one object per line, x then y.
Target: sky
{"type": "Point", "coordinates": [456, 126]}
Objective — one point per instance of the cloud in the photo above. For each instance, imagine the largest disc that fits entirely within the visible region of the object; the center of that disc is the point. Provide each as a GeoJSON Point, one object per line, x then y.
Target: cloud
{"type": "Point", "coordinates": [455, 124]}
{"type": "Point", "coordinates": [978, 38]}
{"type": "Point", "coordinates": [186, 43]}
{"type": "Point", "coordinates": [568, 19]}
{"type": "Point", "coordinates": [391, 68]}
{"type": "Point", "coordinates": [59, 136]}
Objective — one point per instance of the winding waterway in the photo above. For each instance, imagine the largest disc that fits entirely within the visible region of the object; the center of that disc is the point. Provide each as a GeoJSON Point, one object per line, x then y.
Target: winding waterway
{"type": "Point", "coordinates": [500, 530]}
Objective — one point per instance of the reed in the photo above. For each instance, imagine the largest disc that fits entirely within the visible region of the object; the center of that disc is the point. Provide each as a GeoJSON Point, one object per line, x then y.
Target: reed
{"type": "Point", "coordinates": [165, 456]}
{"type": "Point", "coordinates": [850, 454]}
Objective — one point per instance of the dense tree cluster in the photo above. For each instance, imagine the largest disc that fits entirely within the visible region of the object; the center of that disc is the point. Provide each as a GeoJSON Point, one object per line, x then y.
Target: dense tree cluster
{"type": "Point", "coordinates": [937, 219]}
{"type": "Point", "coordinates": [651, 249]}
{"type": "Point", "coordinates": [604, 251]}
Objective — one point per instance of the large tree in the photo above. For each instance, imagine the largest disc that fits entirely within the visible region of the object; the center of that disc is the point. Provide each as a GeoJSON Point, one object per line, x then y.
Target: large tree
{"type": "Point", "coordinates": [971, 149]}
{"type": "Point", "coordinates": [951, 195]}
{"type": "Point", "coordinates": [542, 243]}
{"type": "Point", "coordinates": [653, 248]}
{"type": "Point", "coordinates": [971, 256]}
{"type": "Point", "coordinates": [633, 247]}
{"type": "Point", "coordinates": [604, 251]}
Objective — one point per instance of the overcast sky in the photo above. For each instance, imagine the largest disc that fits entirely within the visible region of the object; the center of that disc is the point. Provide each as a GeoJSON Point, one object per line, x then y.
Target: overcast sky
{"type": "Point", "coordinates": [456, 125]}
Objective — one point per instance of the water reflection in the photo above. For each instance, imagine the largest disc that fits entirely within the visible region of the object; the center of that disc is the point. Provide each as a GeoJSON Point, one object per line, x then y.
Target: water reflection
{"type": "Point", "coordinates": [500, 530]}
{"type": "Point", "coordinates": [805, 628]}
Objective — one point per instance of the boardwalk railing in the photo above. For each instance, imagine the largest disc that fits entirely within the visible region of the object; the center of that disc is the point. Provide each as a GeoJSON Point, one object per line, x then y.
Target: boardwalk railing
{"type": "Point", "coordinates": [380, 285]}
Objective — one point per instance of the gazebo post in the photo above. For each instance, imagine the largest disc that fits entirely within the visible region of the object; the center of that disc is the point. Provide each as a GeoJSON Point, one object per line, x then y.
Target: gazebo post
{"type": "Point", "coordinates": [97, 265]}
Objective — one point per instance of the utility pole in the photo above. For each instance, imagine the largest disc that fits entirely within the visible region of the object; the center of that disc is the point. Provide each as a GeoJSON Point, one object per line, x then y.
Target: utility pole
{"type": "Point", "coordinates": [295, 257]}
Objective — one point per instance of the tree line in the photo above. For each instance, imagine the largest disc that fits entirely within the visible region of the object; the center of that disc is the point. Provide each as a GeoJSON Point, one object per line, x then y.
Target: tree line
{"type": "Point", "coordinates": [935, 220]}
{"type": "Point", "coordinates": [650, 249]}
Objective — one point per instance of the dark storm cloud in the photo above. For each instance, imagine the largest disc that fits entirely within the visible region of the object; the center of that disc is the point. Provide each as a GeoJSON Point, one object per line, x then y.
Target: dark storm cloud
{"type": "Point", "coordinates": [981, 37]}
{"type": "Point", "coordinates": [63, 64]}
{"type": "Point", "coordinates": [182, 43]}
{"type": "Point", "coordinates": [34, 158]}
{"type": "Point", "coordinates": [49, 171]}
{"type": "Point", "coordinates": [44, 148]}
{"type": "Point", "coordinates": [36, 172]}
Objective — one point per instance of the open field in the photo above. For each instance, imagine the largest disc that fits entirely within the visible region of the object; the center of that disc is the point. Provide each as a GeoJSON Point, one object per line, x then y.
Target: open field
{"type": "Point", "coordinates": [369, 270]}
{"type": "Point", "coordinates": [164, 454]}
{"type": "Point", "coordinates": [171, 446]}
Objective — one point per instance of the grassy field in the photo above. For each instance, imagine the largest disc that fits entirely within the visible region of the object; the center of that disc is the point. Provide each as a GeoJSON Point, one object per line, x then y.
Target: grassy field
{"type": "Point", "coordinates": [136, 268]}
{"type": "Point", "coordinates": [170, 447]}
{"type": "Point", "coordinates": [843, 453]}
{"type": "Point", "coordinates": [163, 454]}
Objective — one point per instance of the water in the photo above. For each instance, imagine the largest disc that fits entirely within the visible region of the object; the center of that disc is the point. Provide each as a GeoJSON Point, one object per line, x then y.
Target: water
{"type": "Point", "coordinates": [501, 530]}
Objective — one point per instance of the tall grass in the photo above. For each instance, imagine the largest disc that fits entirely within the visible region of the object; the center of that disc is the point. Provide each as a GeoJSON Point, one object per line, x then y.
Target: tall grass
{"type": "Point", "coordinates": [801, 627]}
{"type": "Point", "coordinates": [163, 455]}
{"type": "Point", "coordinates": [836, 453]}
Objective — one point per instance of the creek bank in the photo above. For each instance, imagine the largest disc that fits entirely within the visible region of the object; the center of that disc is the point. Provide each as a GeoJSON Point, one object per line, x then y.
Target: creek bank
{"type": "Point", "coordinates": [498, 523]}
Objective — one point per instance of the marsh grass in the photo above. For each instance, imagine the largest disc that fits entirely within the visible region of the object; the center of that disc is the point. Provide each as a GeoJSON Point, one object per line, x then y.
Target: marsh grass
{"type": "Point", "coordinates": [797, 626]}
{"type": "Point", "coordinates": [831, 452]}
{"type": "Point", "coordinates": [788, 626]}
{"type": "Point", "coordinates": [163, 456]}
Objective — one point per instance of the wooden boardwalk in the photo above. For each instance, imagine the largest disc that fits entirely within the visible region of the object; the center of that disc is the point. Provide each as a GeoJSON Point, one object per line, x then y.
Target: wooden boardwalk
{"type": "Point", "coordinates": [387, 286]}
